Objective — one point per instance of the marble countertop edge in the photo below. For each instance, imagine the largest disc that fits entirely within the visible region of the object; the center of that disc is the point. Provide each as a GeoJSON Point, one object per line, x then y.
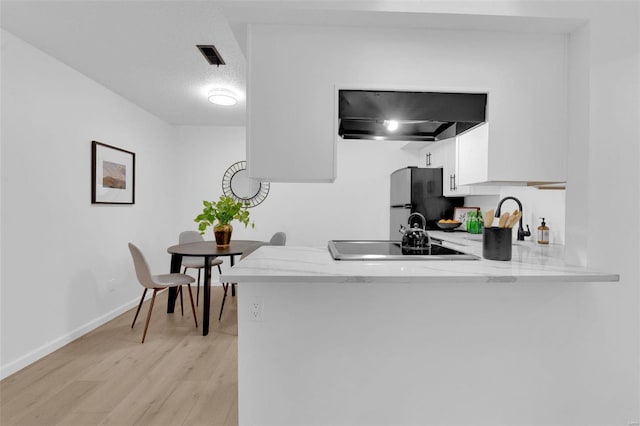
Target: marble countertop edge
{"type": "Point", "coordinates": [498, 279]}
{"type": "Point", "coordinates": [315, 265]}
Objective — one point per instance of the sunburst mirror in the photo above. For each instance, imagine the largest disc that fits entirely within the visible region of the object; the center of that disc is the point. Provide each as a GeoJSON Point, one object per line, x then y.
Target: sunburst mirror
{"type": "Point", "coordinates": [237, 184]}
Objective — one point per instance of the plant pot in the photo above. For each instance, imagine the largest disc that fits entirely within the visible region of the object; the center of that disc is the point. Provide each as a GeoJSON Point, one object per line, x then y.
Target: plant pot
{"type": "Point", "coordinates": [223, 235]}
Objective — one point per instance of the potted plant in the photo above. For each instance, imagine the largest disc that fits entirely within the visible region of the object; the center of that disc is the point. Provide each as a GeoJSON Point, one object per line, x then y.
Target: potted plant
{"type": "Point", "coordinates": [219, 215]}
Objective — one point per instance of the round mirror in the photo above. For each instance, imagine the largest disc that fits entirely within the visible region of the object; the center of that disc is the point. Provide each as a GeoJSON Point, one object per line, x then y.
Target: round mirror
{"type": "Point", "coordinates": [244, 187]}
{"type": "Point", "coordinates": [237, 184]}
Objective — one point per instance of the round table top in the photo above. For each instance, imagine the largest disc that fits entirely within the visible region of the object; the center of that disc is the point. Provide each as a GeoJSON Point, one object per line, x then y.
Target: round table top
{"type": "Point", "coordinates": [209, 248]}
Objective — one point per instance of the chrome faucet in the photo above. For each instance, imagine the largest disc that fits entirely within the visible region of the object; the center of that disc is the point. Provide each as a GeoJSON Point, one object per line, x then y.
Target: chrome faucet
{"type": "Point", "coordinates": [521, 232]}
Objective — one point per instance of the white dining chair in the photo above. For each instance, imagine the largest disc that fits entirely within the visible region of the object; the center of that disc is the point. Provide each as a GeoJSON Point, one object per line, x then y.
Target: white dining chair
{"type": "Point", "coordinates": [157, 283]}
{"type": "Point", "coordinates": [195, 262]}
{"type": "Point", "coordinates": [278, 239]}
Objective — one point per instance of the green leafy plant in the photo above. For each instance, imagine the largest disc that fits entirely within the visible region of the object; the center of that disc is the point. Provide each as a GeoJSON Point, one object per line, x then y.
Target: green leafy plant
{"type": "Point", "coordinates": [222, 212]}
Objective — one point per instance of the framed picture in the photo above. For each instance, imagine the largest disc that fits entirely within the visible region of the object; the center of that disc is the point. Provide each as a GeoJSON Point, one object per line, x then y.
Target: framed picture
{"type": "Point", "coordinates": [113, 175]}
{"type": "Point", "coordinates": [460, 214]}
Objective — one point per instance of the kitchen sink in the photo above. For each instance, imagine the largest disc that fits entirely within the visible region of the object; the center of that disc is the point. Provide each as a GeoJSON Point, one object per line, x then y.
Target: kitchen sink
{"type": "Point", "coordinates": [391, 250]}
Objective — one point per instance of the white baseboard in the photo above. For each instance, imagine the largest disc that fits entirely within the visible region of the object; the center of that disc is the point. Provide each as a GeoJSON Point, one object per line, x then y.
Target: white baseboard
{"type": "Point", "coordinates": [46, 349]}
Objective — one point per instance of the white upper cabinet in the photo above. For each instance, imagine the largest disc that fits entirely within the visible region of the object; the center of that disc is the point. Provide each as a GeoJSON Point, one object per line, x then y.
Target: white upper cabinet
{"type": "Point", "coordinates": [472, 155]}
{"type": "Point", "coordinates": [473, 164]}
{"type": "Point", "coordinates": [290, 130]}
{"type": "Point", "coordinates": [481, 158]}
{"type": "Point", "coordinates": [446, 154]}
{"type": "Point", "coordinates": [294, 73]}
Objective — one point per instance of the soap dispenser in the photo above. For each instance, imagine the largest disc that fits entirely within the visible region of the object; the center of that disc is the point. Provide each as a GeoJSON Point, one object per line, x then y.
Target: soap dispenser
{"type": "Point", "coordinates": [543, 233]}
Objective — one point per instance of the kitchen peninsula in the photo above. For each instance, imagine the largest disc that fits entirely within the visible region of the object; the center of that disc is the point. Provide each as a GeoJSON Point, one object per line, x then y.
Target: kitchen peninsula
{"type": "Point", "coordinates": [407, 342]}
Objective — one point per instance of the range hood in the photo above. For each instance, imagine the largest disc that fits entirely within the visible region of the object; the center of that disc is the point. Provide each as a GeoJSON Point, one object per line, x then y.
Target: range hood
{"type": "Point", "coordinates": [408, 116]}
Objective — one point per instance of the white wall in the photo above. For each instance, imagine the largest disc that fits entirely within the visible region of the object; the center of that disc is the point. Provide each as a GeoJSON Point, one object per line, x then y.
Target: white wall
{"type": "Point", "coordinates": [363, 176]}
{"type": "Point", "coordinates": [613, 180]}
{"type": "Point", "coordinates": [203, 154]}
{"type": "Point", "coordinates": [578, 156]}
{"type": "Point", "coordinates": [50, 115]}
{"type": "Point", "coordinates": [292, 90]}
{"type": "Point", "coordinates": [596, 350]}
{"type": "Point", "coordinates": [66, 267]}
{"type": "Point", "coordinates": [354, 206]}
{"type": "Point", "coordinates": [50, 107]}
{"type": "Point", "coordinates": [536, 203]}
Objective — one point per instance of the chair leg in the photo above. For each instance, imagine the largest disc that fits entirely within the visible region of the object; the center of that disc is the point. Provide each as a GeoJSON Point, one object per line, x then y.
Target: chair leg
{"type": "Point", "coordinates": [181, 306]}
{"type": "Point", "coordinates": [198, 290]}
{"type": "Point", "coordinates": [146, 326]}
{"type": "Point", "coordinates": [224, 296]}
{"type": "Point", "coordinates": [144, 293]}
{"type": "Point", "coordinates": [193, 308]}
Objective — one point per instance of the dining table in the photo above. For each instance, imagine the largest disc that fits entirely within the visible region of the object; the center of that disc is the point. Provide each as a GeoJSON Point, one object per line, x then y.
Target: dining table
{"type": "Point", "coordinates": [207, 250]}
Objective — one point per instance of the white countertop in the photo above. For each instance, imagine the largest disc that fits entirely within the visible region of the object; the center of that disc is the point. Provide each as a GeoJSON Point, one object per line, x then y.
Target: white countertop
{"type": "Point", "coordinates": [530, 263]}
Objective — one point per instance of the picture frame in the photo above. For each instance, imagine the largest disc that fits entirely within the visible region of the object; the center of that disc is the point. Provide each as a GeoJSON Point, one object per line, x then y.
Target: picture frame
{"type": "Point", "coordinates": [460, 214]}
{"type": "Point", "coordinates": [113, 174]}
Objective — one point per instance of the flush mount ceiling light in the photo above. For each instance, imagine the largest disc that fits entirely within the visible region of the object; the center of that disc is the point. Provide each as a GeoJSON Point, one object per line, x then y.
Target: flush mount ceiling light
{"type": "Point", "coordinates": [222, 97]}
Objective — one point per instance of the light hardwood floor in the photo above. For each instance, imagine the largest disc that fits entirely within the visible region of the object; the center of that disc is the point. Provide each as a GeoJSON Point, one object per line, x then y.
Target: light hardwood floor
{"type": "Point", "coordinates": [107, 377]}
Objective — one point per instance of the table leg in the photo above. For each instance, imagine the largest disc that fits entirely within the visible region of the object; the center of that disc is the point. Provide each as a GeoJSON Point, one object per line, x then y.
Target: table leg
{"type": "Point", "coordinates": [233, 285]}
{"type": "Point", "coordinates": [176, 262]}
{"type": "Point", "coordinates": [207, 295]}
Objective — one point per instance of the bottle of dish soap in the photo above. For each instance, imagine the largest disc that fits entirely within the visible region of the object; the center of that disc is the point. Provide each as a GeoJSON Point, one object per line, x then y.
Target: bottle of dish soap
{"type": "Point", "coordinates": [543, 233]}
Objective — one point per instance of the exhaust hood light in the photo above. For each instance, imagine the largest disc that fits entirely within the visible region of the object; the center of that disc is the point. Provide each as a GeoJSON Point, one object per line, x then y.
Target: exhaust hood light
{"type": "Point", "coordinates": [420, 116]}
{"type": "Point", "coordinates": [391, 125]}
{"type": "Point", "coordinates": [223, 97]}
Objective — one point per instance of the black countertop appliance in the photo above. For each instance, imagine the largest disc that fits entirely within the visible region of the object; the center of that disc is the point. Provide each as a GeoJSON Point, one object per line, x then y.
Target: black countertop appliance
{"type": "Point", "coordinates": [418, 189]}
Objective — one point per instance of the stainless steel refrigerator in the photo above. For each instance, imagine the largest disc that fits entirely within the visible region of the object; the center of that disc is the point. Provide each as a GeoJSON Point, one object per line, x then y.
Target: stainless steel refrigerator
{"type": "Point", "coordinates": [415, 189]}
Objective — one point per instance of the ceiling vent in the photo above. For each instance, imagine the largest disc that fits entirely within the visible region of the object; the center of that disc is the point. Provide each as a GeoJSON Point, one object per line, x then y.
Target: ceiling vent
{"type": "Point", "coordinates": [211, 54]}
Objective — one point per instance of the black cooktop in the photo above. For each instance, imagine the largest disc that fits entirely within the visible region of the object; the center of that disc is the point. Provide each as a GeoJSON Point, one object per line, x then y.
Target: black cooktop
{"type": "Point", "coordinates": [391, 250]}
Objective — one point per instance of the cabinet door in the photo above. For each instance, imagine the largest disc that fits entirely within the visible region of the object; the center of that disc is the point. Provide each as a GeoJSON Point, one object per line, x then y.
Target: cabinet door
{"type": "Point", "coordinates": [449, 184]}
{"type": "Point", "coordinates": [434, 155]}
{"type": "Point", "coordinates": [472, 155]}
{"type": "Point", "coordinates": [441, 155]}
{"type": "Point", "coordinates": [445, 154]}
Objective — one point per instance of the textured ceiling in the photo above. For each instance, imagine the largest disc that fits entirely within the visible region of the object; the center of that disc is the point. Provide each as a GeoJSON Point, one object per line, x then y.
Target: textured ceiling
{"type": "Point", "coordinates": [145, 51]}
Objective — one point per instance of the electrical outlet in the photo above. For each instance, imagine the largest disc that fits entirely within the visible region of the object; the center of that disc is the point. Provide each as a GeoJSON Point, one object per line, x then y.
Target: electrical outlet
{"type": "Point", "coordinates": [256, 310]}
{"type": "Point", "coordinates": [111, 285]}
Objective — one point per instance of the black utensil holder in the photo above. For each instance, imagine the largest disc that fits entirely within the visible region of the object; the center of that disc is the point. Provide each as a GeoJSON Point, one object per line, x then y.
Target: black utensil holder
{"type": "Point", "coordinates": [496, 243]}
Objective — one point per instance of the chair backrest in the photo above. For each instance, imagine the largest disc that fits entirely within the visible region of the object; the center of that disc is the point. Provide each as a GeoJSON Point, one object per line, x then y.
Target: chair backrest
{"type": "Point", "coordinates": [278, 239]}
{"type": "Point", "coordinates": [189, 237]}
{"type": "Point", "coordinates": [141, 266]}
